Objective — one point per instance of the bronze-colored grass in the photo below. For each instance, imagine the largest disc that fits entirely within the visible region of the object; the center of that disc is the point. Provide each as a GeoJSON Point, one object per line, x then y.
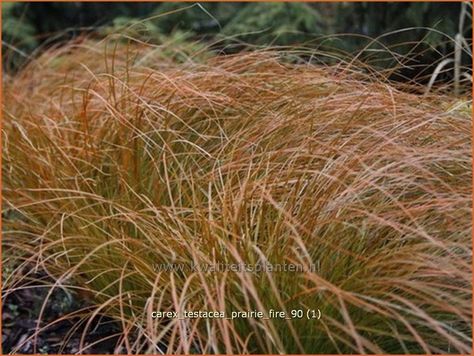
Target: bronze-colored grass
{"type": "Point", "coordinates": [117, 160]}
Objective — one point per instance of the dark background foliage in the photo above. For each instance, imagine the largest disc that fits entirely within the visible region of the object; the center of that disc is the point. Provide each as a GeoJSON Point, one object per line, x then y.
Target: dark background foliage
{"type": "Point", "coordinates": [29, 26]}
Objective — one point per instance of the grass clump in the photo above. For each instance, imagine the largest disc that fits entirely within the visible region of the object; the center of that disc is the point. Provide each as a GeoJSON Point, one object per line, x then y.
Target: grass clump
{"type": "Point", "coordinates": [117, 160]}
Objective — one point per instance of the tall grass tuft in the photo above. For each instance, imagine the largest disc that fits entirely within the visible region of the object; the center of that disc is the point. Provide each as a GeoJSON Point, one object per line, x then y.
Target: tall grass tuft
{"type": "Point", "coordinates": [118, 160]}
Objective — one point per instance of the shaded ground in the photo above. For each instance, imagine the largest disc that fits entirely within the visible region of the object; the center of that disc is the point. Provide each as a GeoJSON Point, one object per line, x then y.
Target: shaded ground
{"type": "Point", "coordinates": [19, 321]}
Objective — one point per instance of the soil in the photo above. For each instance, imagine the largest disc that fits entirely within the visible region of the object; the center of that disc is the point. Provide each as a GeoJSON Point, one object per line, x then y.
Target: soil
{"type": "Point", "coordinates": [20, 313]}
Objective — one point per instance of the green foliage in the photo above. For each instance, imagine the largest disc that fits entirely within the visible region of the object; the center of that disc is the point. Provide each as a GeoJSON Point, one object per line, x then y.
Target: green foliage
{"type": "Point", "coordinates": [176, 46]}
{"type": "Point", "coordinates": [18, 35]}
{"type": "Point", "coordinates": [262, 24]}
{"type": "Point", "coordinates": [274, 23]}
{"type": "Point", "coordinates": [14, 29]}
{"type": "Point", "coordinates": [199, 19]}
{"type": "Point", "coordinates": [132, 27]}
